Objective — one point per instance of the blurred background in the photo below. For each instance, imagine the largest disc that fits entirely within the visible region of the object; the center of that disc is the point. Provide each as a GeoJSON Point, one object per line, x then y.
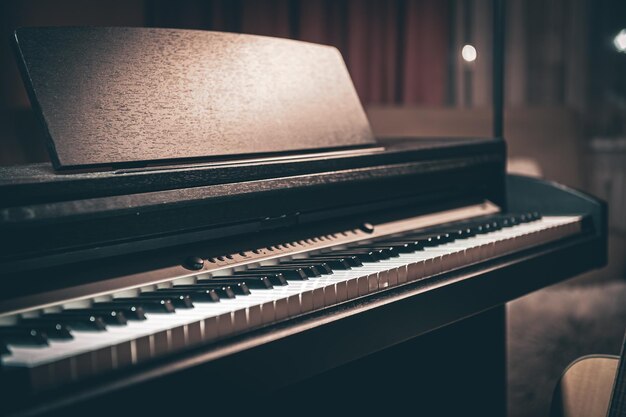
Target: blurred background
{"type": "Point", "coordinates": [424, 68]}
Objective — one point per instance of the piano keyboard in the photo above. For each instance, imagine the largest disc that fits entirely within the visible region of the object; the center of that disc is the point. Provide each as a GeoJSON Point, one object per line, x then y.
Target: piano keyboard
{"type": "Point", "coordinates": [56, 346]}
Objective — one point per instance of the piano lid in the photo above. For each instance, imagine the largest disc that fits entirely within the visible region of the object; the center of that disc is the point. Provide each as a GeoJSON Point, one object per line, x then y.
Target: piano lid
{"type": "Point", "coordinates": [126, 96]}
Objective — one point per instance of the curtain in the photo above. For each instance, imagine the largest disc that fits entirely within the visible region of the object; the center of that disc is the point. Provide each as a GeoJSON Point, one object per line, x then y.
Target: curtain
{"type": "Point", "coordinates": [397, 51]}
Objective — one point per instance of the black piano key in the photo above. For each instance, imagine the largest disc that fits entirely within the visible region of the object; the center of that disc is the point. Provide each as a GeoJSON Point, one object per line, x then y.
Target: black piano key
{"type": "Point", "coordinates": [492, 225]}
{"type": "Point", "coordinates": [479, 229]}
{"type": "Point", "coordinates": [364, 255]}
{"type": "Point", "coordinates": [212, 295]}
{"type": "Point", "coordinates": [276, 277]}
{"type": "Point", "coordinates": [286, 273]}
{"type": "Point", "coordinates": [533, 215]}
{"type": "Point", "coordinates": [388, 251]}
{"type": "Point", "coordinates": [200, 294]}
{"type": "Point", "coordinates": [4, 349]}
{"type": "Point", "coordinates": [238, 288]}
{"type": "Point", "coordinates": [446, 234]}
{"type": "Point", "coordinates": [383, 248]}
{"type": "Point", "coordinates": [222, 290]}
{"type": "Point", "coordinates": [528, 217]}
{"type": "Point", "coordinates": [323, 267]}
{"type": "Point", "coordinates": [488, 225]}
{"type": "Point", "coordinates": [54, 330]}
{"type": "Point", "coordinates": [428, 239]}
{"type": "Point", "coordinates": [252, 281]}
{"type": "Point", "coordinates": [178, 300]}
{"type": "Point", "coordinates": [350, 261]}
{"type": "Point", "coordinates": [442, 237]}
{"type": "Point", "coordinates": [131, 311]}
{"type": "Point", "coordinates": [463, 233]}
{"type": "Point", "coordinates": [151, 305]}
{"type": "Point", "coordinates": [85, 321]}
{"type": "Point", "coordinates": [23, 336]}
{"type": "Point", "coordinates": [523, 218]}
{"type": "Point", "coordinates": [438, 239]}
{"type": "Point", "coordinates": [407, 246]}
{"type": "Point", "coordinates": [335, 263]}
{"type": "Point", "coordinates": [311, 271]}
{"type": "Point", "coordinates": [508, 221]}
{"type": "Point", "coordinates": [109, 316]}
{"type": "Point", "coordinates": [290, 272]}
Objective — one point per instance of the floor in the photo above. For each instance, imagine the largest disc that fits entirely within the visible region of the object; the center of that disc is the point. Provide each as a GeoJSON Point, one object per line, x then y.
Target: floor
{"type": "Point", "coordinates": [549, 329]}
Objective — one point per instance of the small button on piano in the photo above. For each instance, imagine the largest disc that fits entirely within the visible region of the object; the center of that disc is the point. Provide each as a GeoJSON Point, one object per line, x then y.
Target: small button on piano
{"type": "Point", "coordinates": [219, 231]}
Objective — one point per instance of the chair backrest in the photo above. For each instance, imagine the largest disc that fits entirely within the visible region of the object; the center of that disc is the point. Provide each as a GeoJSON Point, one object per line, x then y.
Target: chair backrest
{"type": "Point", "coordinates": [592, 386]}
{"type": "Point", "coordinates": [584, 389]}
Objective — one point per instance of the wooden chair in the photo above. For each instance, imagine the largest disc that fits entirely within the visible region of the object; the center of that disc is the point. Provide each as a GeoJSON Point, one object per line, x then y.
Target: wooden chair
{"type": "Point", "coordinates": [592, 386]}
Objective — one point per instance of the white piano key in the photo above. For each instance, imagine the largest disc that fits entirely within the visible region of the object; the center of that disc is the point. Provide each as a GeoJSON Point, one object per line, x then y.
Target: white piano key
{"type": "Point", "coordinates": [281, 308]}
{"type": "Point", "coordinates": [392, 274]}
{"type": "Point", "coordinates": [382, 281]}
{"type": "Point", "coordinates": [255, 318]}
{"type": "Point", "coordinates": [342, 291]}
{"type": "Point", "coordinates": [363, 284]}
{"type": "Point", "coordinates": [294, 305]}
{"type": "Point", "coordinates": [210, 328]}
{"type": "Point", "coordinates": [353, 287]}
{"type": "Point", "coordinates": [318, 298]}
{"type": "Point", "coordinates": [372, 282]}
{"type": "Point", "coordinates": [330, 294]}
{"type": "Point", "coordinates": [268, 312]}
{"type": "Point", "coordinates": [306, 301]}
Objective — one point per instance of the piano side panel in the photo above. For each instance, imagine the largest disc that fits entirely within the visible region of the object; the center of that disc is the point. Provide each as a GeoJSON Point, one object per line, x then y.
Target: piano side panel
{"type": "Point", "coordinates": [533, 194]}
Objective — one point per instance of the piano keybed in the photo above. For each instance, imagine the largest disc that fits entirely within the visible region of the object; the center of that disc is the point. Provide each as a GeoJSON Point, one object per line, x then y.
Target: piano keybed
{"type": "Point", "coordinates": [71, 341]}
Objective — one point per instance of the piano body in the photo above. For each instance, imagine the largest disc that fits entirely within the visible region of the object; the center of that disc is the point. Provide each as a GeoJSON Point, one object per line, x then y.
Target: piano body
{"type": "Point", "coordinates": [220, 231]}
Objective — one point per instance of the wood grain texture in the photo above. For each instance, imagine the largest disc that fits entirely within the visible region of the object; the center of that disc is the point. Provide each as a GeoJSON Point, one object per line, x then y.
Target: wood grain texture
{"type": "Point", "coordinates": [585, 388]}
{"type": "Point", "coordinates": [123, 95]}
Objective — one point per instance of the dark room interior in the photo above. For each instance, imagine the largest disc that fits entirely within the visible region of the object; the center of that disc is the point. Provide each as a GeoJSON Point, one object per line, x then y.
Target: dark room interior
{"type": "Point", "coordinates": [150, 144]}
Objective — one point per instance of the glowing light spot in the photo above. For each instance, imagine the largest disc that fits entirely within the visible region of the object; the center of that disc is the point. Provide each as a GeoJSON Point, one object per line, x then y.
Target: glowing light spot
{"type": "Point", "coordinates": [469, 53]}
{"type": "Point", "coordinates": [620, 41]}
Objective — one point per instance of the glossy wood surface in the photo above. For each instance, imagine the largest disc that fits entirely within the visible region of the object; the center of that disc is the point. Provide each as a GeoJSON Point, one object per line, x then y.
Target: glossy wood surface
{"type": "Point", "coordinates": [36, 213]}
